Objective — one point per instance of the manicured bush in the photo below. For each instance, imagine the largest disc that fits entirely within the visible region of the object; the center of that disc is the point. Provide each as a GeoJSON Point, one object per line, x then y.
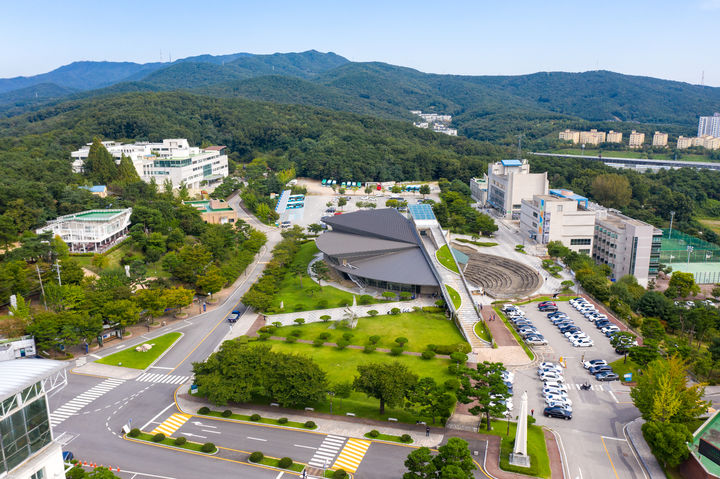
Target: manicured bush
{"type": "Point", "coordinates": [255, 417]}
{"type": "Point", "coordinates": [369, 348]}
{"type": "Point", "coordinates": [405, 438]}
{"type": "Point", "coordinates": [343, 303]}
{"type": "Point", "coordinates": [401, 341]}
{"type": "Point", "coordinates": [342, 344]}
{"type": "Point", "coordinates": [283, 420]}
{"type": "Point", "coordinates": [396, 351]}
{"type": "Point", "coordinates": [405, 295]}
{"type": "Point", "coordinates": [395, 311]}
{"type": "Point", "coordinates": [531, 419]}
{"type": "Point", "coordinates": [374, 433]}
{"type": "Point", "coordinates": [325, 335]}
{"type": "Point", "coordinates": [179, 441]}
{"type": "Point", "coordinates": [365, 299]}
{"type": "Point", "coordinates": [208, 447]}
{"type": "Point", "coordinates": [433, 309]}
{"type": "Point", "coordinates": [299, 307]}
{"type": "Point", "coordinates": [440, 303]}
{"type": "Point", "coordinates": [388, 295]}
{"type": "Point", "coordinates": [452, 384]}
{"type": "Point", "coordinates": [226, 413]}
{"type": "Point", "coordinates": [374, 339]}
{"type": "Point", "coordinates": [348, 336]}
{"type": "Point", "coordinates": [277, 324]}
{"type": "Point", "coordinates": [267, 329]}
{"type": "Point", "coordinates": [340, 474]}
{"type": "Point", "coordinates": [431, 347]}
{"type": "Point", "coordinates": [299, 321]}
{"type": "Point", "coordinates": [372, 313]}
{"type": "Point", "coordinates": [285, 463]}
{"type": "Point", "coordinates": [204, 410]}
{"type": "Point", "coordinates": [428, 354]}
{"type": "Point", "coordinates": [459, 357]}
{"type": "Point", "coordinates": [159, 437]}
{"type": "Point", "coordinates": [322, 303]}
{"type": "Point", "coordinates": [296, 332]}
{"type": "Point", "coordinates": [263, 336]}
{"type": "Point", "coordinates": [291, 339]}
{"type": "Point", "coordinates": [134, 432]}
{"type": "Point", "coordinates": [309, 425]}
{"type": "Point", "coordinates": [257, 456]}
{"type": "Point", "coordinates": [325, 318]}
{"type": "Point", "coordinates": [318, 342]}
{"type": "Point", "coordinates": [453, 369]}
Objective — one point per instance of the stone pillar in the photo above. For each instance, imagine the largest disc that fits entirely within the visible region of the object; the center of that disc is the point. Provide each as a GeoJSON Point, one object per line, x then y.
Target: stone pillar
{"type": "Point", "coordinates": [519, 456]}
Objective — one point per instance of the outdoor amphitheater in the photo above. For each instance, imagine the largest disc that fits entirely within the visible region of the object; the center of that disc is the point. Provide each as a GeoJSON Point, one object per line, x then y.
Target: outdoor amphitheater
{"type": "Point", "coordinates": [499, 277]}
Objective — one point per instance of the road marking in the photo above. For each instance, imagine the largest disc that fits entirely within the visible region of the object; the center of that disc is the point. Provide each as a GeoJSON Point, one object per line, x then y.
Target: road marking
{"type": "Point", "coordinates": [71, 407]}
{"type": "Point", "coordinates": [352, 454]}
{"type": "Point", "coordinates": [609, 458]}
{"type": "Point", "coordinates": [156, 416]}
{"type": "Point", "coordinates": [614, 397]}
{"type": "Point", "coordinates": [257, 439]}
{"type": "Point", "coordinates": [201, 341]}
{"type": "Point", "coordinates": [159, 367]}
{"type": "Point", "coordinates": [306, 447]}
{"type": "Point", "coordinates": [207, 430]}
{"type": "Point", "coordinates": [327, 451]}
{"type": "Point", "coordinates": [614, 438]}
{"type": "Point", "coordinates": [172, 424]}
{"type": "Point", "coordinates": [162, 378]}
{"type": "Point", "coordinates": [279, 475]}
{"type": "Point", "coordinates": [580, 472]}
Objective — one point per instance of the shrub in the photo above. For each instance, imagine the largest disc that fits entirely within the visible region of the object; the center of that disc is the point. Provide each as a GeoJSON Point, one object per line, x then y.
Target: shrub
{"type": "Point", "coordinates": [134, 432]}
{"type": "Point", "coordinates": [255, 417]}
{"type": "Point", "coordinates": [440, 303]}
{"type": "Point", "coordinates": [207, 447]}
{"type": "Point", "coordinates": [342, 344]}
{"type": "Point", "coordinates": [299, 321]}
{"type": "Point", "coordinates": [226, 413]}
{"type": "Point", "coordinates": [405, 295]}
{"type": "Point", "coordinates": [374, 339]}
{"type": "Point", "coordinates": [427, 354]}
{"type": "Point", "coordinates": [324, 336]}
{"type": "Point", "coordinates": [348, 336]}
{"type": "Point", "coordinates": [396, 351]}
{"type": "Point", "coordinates": [365, 299]}
{"type": "Point", "coordinates": [285, 463]}
{"type": "Point", "coordinates": [257, 456]}
{"type": "Point", "coordinates": [267, 329]}
{"type": "Point", "coordinates": [296, 333]}
{"type": "Point", "coordinates": [300, 307]}
{"type": "Point", "coordinates": [405, 438]}
{"type": "Point", "coordinates": [458, 357]}
{"type": "Point", "coordinates": [343, 303]}
{"type": "Point", "coordinates": [395, 311]}
{"type": "Point", "coordinates": [531, 420]}
{"type": "Point", "coordinates": [179, 441]}
{"type": "Point", "coordinates": [309, 425]}
{"type": "Point", "coordinates": [374, 433]}
{"type": "Point", "coordinates": [369, 348]}
{"type": "Point", "coordinates": [453, 369]}
{"type": "Point", "coordinates": [159, 437]}
{"type": "Point", "coordinates": [277, 324]}
{"type": "Point", "coordinates": [317, 342]}
{"type": "Point", "coordinates": [322, 303]}
{"type": "Point", "coordinates": [431, 347]}
{"type": "Point", "coordinates": [291, 339]}
{"type": "Point", "coordinates": [325, 318]}
{"type": "Point", "coordinates": [263, 336]}
{"type": "Point", "coordinates": [401, 341]}
{"type": "Point", "coordinates": [372, 313]}
{"type": "Point", "coordinates": [204, 410]}
{"type": "Point", "coordinates": [433, 309]}
{"type": "Point", "coordinates": [283, 420]}
{"type": "Point", "coordinates": [388, 295]}
{"type": "Point", "coordinates": [340, 474]}
{"type": "Point", "coordinates": [452, 384]}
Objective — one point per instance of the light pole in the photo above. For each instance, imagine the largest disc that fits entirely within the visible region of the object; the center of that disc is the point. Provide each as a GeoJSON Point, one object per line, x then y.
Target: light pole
{"type": "Point", "coordinates": [689, 250]}
{"type": "Point", "coordinates": [672, 217]}
{"type": "Point", "coordinates": [331, 394]}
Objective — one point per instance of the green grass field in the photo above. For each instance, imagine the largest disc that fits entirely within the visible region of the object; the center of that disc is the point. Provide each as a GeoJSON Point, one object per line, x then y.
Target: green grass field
{"type": "Point", "coordinates": [444, 256]}
{"type": "Point", "coordinates": [621, 368]}
{"type": "Point", "coordinates": [341, 366]}
{"type": "Point", "coordinates": [482, 331]}
{"type": "Point", "coordinates": [537, 450]}
{"type": "Point", "coordinates": [419, 328]}
{"type": "Point", "coordinates": [454, 295]}
{"type": "Point", "coordinates": [632, 154]}
{"type": "Point", "coordinates": [129, 358]}
{"type": "Point", "coordinates": [154, 270]}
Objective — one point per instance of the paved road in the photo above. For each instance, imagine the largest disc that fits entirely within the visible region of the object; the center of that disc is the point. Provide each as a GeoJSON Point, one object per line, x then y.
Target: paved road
{"type": "Point", "coordinates": [593, 442]}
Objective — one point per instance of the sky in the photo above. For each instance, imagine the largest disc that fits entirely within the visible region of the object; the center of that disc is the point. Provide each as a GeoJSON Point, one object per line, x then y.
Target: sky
{"type": "Point", "coordinates": [676, 40]}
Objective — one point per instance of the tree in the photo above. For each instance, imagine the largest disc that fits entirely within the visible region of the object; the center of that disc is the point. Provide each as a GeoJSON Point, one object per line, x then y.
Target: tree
{"type": "Point", "coordinates": [683, 284]}
{"type": "Point", "coordinates": [396, 189]}
{"type": "Point", "coordinates": [100, 261]}
{"type": "Point", "coordinates": [666, 380]}
{"type": "Point", "coordinates": [484, 386]}
{"type": "Point", "coordinates": [178, 297]}
{"type": "Point", "coordinates": [454, 460]}
{"type": "Point", "coordinates": [644, 354]}
{"type": "Point", "coordinates": [612, 190]}
{"type": "Point", "coordinates": [389, 383]}
{"type": "Point", "coordinates": [420, 465]}
{"type": "Point", "coordinates": [315, 228]}
{"type": "Point", "coordinates": [667, 441]}
{"type": "Point", "coordinates": [100, 165]}
{"type": "Point", "coordinates": [188, 263]}
{"type": "Point", "coordinates": [126, 172]}
{"type": "Point", "coordinates": [653, 329]}
{"type": "Point", "coordinates": [121, 313]}
{"type": "Point", "coordinates": [486, 225]}
{"type": "Point", "coordinates": [212, 280]}
{"type": "Point", "coordinates": [716, 292]}
{"type": "Point", "coordinates": [8, 232]}
{"type": "Point", "coordinates": [434, 401]}
{"type": "Point", "coordinates": [152, 302]}
{"type": "Point", "coordinates": [342, 202]}
{"type": "Point", "coordinates": [557, 250]}
{"type": "Point", "coordinates": [424, 190]}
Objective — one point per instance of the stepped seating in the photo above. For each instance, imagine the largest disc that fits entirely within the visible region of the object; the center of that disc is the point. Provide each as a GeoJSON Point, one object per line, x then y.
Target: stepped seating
{"type": "Point", "coordinates": [498, 276]}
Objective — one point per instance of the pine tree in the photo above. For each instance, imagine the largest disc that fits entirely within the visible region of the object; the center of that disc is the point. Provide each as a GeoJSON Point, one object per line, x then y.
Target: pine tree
{"type": "Point", "coordinates": [126, 171]}
{"type": "Point", "coordinates": [100, 165]}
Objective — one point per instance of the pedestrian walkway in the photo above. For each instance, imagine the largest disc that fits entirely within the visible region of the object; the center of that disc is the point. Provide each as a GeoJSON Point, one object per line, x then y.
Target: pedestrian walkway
{"type": "Point", "coordinates": [171, 424]}
{"type": "Point", "coordinates": [327, 451]}
{"type": "Point", "coordinates": [72, 407]}
{"type": "Point", "coordinates": [352, 454]}
{"type": "Point", "coordinates": [162, 378]}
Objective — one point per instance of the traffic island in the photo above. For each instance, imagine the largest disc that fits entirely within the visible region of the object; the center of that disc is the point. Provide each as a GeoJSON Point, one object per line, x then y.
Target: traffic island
{"type": "Point", "coordinates": [140, 357]}
{"type": "Point", "coordinates": [174, 443]}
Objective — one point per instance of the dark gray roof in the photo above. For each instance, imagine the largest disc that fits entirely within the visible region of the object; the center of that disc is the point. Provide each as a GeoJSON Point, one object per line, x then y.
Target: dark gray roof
{"type": "Point", "coordinates": [385, 223]}
{"type": "Point", "coordinates": [405, 267]}
{"type": "Point", "coordinates": [336, 243]}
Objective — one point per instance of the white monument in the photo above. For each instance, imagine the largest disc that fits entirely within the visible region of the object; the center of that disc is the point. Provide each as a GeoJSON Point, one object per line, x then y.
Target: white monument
{"type": "Point", "coordinates": [519, 456]}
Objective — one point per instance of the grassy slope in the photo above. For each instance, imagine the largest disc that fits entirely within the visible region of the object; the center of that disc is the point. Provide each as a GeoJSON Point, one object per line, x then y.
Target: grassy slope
{"type": "Point", "coordinates": [445, 258]}
{"type": "Point", "coordinates": [454, 295]}
{"type": "Point", "coordinates": [136, 360]}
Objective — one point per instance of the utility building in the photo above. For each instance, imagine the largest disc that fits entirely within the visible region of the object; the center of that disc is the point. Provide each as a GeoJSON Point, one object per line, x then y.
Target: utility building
{"type": "Point", "coordinates": [510, 182]}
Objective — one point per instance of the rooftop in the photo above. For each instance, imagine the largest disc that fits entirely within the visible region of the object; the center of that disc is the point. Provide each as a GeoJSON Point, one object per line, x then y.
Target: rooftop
{"type": "Point", "coordinates": [204, 205]}
{"type": "Point", "coordinates": [422, 212]}
{"type": "Point", "coordinates": [511, 162]}
{"type": "Point", "coordinates": [215, 148]}
{"type": "Point", "coordinates": [567, 194]}
{"type": "Point", "coordinates": [710, 432]}
{"type": "Point", "coordinates": [94, 215]}
{"type": "Point", "coordinates": [19, 374]}
{"type": "Point", "coordinates": [95, 188]}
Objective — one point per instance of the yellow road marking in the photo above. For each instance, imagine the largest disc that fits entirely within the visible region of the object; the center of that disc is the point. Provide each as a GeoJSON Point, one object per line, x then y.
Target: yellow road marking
{"type": "Point", "coordinates": [172, 424]}
{"type": "Point", "coordinates": [609, 458]}
{"type": "Point", "coordinates": [352, 454]}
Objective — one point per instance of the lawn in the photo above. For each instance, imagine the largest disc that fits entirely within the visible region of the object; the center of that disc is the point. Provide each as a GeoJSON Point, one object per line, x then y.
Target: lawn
{"type": "Point", "coordinates": [129, 358]}
{"type": "Point", "coordinates": [263, 420]}
{"type": "Point", "coordinates": [154, 270]}
{"type": "Point", "coordinates": [418, 327]}
{"type": "Point", "coordinates": [387, 437]}
{"type": "Point", "coordinates": [300, 292]}
{"type": "Point", "coordinates": [191, 446]}
{"type": "Point", "coordinates": [446, 259]}
{"type": "Point", "coordinates": [537, 450]}
{"type": "Point", "coordinates": [712, 223]}
{"type": "Point", "coordinates": [520, 341]}
{"type": "Point", "coordinates": [482, 331]}
{"type": "Point", "coordinates": [482, 244]}
{"type": "Point", "coordinates": [341, 366]}
{"type": "Point", "coordinates": [454, 295]}
{"type": "Point", "coordinates": [621, 368]}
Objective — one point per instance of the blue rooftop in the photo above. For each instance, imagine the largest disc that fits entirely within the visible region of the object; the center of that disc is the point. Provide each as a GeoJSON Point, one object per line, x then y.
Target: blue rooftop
{"type": "Point", "coordinates": [422, 212]}
{"type": "Point", "coordinates": [569, 194]}
{"type": "Point", "coordinates": [95, 188]}
{"type": "Point", "coordinates": [511, 162]}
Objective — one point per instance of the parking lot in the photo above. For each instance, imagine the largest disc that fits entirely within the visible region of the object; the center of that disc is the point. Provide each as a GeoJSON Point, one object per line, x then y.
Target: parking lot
{"type": "Point", "coordinates": [593, 441]}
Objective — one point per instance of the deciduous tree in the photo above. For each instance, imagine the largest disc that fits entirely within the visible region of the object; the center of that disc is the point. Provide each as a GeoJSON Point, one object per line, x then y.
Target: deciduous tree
{"type": "Point", "coordinates": [389, 383]}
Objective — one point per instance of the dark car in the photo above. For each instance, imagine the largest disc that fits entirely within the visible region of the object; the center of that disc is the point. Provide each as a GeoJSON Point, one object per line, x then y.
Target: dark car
{"type": "Point", "coordinates": [548, 308]}
{"type": "Point", "coordinates": [600, 369]}
{"type": "Point", "coordinates": [607, 376]}
{"type": "Point", "coordinates": [546, 303]}
{"type": "Point", "coordinates": [68, 456]}
{"type": "Point", "coordinates": [557, 412]}
{"type": "Point", "coordinates": [570, 329]}
{"type": "Point", "coordinates": [602, 324]}
{"type": "Point", "coordinates": [557, 314]}
{"type": "Point", "coordinates": [557, 321]}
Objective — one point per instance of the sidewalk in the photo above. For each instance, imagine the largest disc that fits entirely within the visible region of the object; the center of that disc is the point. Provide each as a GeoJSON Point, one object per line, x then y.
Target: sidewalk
{"type": "Point", "coordinates": [327, 424]}
{"type": "Point", "coordinates": [637, 441]}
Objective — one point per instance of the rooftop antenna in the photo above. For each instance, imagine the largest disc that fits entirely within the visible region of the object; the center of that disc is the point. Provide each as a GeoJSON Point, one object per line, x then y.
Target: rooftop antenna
{"type": "Point", "coordinates": [520, 146]}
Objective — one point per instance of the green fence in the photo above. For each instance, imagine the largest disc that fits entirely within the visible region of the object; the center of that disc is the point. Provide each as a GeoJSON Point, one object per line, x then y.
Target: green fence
{"type": "Point", "coordinates": [678, 247]}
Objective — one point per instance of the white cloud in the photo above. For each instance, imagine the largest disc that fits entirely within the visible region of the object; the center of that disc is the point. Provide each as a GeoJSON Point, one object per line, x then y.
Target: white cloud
{"type": "Point", "coordinates": [710, 5]}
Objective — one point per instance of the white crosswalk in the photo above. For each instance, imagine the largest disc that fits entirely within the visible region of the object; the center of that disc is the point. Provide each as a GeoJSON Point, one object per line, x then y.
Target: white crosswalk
{"type": "Point", "coordinates": [71, 407]}
{"type": "Point", "coordinates": [594, 387]}
{"type": "Point", "coordinates": [162, 378]}
{"type": "Point", "coordinates": [327, 451]}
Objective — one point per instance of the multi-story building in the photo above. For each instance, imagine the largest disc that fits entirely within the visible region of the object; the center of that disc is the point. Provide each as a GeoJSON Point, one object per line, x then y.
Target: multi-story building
{"type": "Point", "coordinates": [614, 137]}
{"type": "Point", "coordinates": [660, 139]}
{"type": "Point", "coordinates": [559, 216]}
{"type": "Point", "coordinates": [479, 189]}
{"type": "Point", "coordinates": [710, 142]}
{"type": "Point", "coordinates": [90, 231]}
{"type": "Point", "coordinates": [509, 182]}
{"type": "Point", "coordinates": [636, 139]}
{"type": "Point", "coordinates": [709, 125]}
{"type": "Point", "coordinates": [592, 137]}
{"type": "Point", "coordinates": [627, 245]}
{"type": "Point", "coordinates": [440, 128]}
{"type": "Point", "coordinates": [16, 348]}
{"type": "Point", "coordinates": [28, 448]}
{"type": "Point", "coordinates": [684, 142]}
{"type": "Point", "coordinates": [214, 211]}
{"type": "Point", "coordinates": [570, 135]}
{"type": "Point", "coordinates": [173, 160]}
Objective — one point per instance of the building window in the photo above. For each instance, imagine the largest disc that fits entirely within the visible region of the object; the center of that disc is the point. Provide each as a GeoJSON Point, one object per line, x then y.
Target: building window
{"type": "Point", "coordinates": [580, 241]}
{"type": "Point", "coordinates": [535, 215]}
{"type": "Point", "coordinates": [39, 475]}
{"type": "Point", "coordinates": [584, 251]}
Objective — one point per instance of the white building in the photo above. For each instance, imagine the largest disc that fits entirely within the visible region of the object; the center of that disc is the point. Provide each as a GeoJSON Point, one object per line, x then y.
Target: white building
{"type": "Point", "coordinates": [28, 448]}
{"type": "Point", "coordinates": [636, 139]}
{"type": "Point", "coordinates": [570, 135]}
{"type": "Point", "coordinates": [614, 137]}
{"type": "Point", "coordinates": [709, 125]}
{"type": "Point", "coordinates": [17, 348]}
{"type": "Point", "coordinates": [660, 139]}
{"type": "Point", "coordinates": [510, 182]}
{"type": "Point", "coordinates": [90, 231]}
{"type": "Point", "coordinates": [479, 189]}
{"type": "Point", "coordinates": [438, 128]}
{"type": "Point", "coordinates": [684, 142]}
{"type": "Point", "coordinates": [560, 216]}
{"type": "Point", "coordinates": [172, 160]}
{"type": "Point", "coordinates": [592, 137]}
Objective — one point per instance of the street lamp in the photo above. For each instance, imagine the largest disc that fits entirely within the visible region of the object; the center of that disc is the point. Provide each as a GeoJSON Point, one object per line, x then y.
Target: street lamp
{"type": "Point", "coordinates": [672, 217]}
{"type": "Point", "coordinates": [331, 394]}
{"type": "Point", "coordinates": [689, 250]}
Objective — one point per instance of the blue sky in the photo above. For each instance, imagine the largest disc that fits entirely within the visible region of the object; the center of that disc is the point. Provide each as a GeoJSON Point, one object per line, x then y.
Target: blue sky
{"type": "Point", "coordinates": [675, 40]}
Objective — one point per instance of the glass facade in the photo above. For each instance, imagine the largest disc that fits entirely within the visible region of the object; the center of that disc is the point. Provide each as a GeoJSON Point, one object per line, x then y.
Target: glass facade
{"type": "Point", "coordinates": [26, 430]}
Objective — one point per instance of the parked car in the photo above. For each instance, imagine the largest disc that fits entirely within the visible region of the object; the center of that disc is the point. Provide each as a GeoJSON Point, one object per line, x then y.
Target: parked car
{"type": "Point", "coordinates": [536, 340]}
{"type": "Point", "coordinates": [548, 308]}
{"type": "Point", "coordinates": [546, 303]}
{"type": "Point", "coordinates": [594, 362]}
{"type": "Point", "coordinates": [550, 364]}
{"type": "Point", "coordinates": [556, 385]}
{"type": "Point", "coordinates": [559, 404]}
{"type": "Point", "coordinates": [576, 335]}
{"type": "Point", "coordinates": [607, 376]}
{"type": "Point", "coordinates": [599, 369]}
{"type": "Point", "coordinates": [234, 316]}
{"type": "Point", "coordinates": [557, 412]}
{"type": "Point", "coordinates": [552, 376]}
{"type": "Point", "coordinates": [557, 398]}
{"type": "Point", "coordinates": [570, 329]}
{"type": "Point", "coordinates": [583, 343]}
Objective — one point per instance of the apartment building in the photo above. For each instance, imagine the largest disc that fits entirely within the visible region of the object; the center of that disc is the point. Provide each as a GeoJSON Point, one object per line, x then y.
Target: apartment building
{"type": "Point", "coordinates": [592, 137]}
{"type": "Point", "coordinates": [570, 135]}
{"type": "Point", "coordinates": [636, 139]}
{"type": "Point", "coordinates": [709, 125]}
{"type": "Point", "coordinates": [660, 139]}
{"type": "Point", "coordinates": [92, 231]}
{"type": "Point", "coordinates": [684, 142]}
{"type": "Point", "coordinates": [559, 216]}
{"type": "Point", "coordinates": [627, 245]}
{"type": "Point", "coordinates": [509, 182]}
{"type": "Point", "coordinates": [614, 137]}
{"type": "Point", "coordinates": [710, 142]}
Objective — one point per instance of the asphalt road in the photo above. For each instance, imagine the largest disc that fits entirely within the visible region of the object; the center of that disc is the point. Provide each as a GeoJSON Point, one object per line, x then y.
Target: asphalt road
{"type": "Point", "coordinates": [593, 442]}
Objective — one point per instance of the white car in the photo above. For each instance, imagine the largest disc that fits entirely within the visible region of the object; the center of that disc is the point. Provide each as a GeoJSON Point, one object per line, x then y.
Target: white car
{"type": "Point", "coordinates": [550, 364]}
{"type": "Point", "coordinates": [575, 335]}
{"type": "Point", "coordinates": [548, 369]}
{"type": "Point", "coordinates": [609, 328]}
{"type": "Point", "coordinates": [536, 341]}
{"type": "Point", "coordinates": [563, 405]}
{"type": "Point", "coordinates": [550, 388]}
{"type": "Point", "coordinates": [583, 343]}
{"type": "Point", "coordinates": [508, 376]}
{"type": "Point", "coordinates": [552, 376]}
{"type": "Point", "coordinates": [557, 398]}
{"type": "Point", "coordinates": [594, 362]}
{"type": "Point", "coordinates": [555, 385]}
